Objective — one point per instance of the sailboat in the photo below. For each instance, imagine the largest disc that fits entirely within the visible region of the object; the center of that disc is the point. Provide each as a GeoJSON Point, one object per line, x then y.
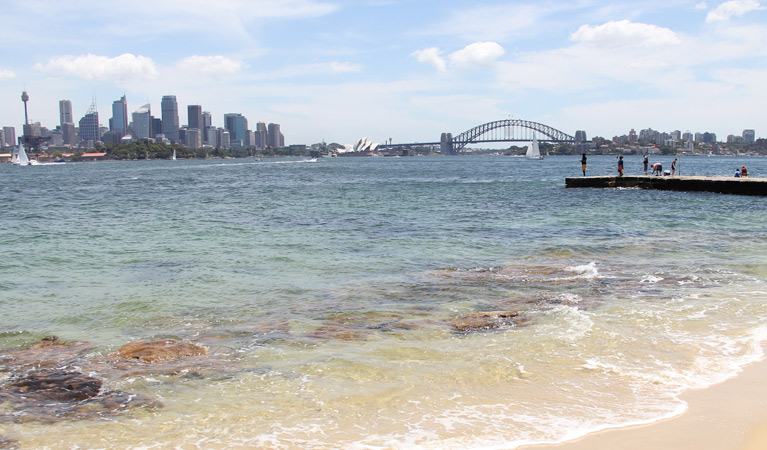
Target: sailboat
{"type": "Point", "coordinates": [20, 157]}
{"type": "Point", "coordinates": [533, 152]}
{"type": "Point", "coordinates": [174, 155]}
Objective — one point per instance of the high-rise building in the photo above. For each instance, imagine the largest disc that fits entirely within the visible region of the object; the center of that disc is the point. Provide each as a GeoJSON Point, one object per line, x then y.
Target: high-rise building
{"type": "Point", "coordinates": [195, 116]}
{"type": "Point", "coordinates": [212, 134]}
{"type": "Point", "coordinates": [237, 126]}
{"type": "Point", "coordinates": [170, 122]}
{"type": "Point", "coordinates": [89, 125]}
{"type": "Point", "coordinates": [65, 112]}
{"type": "Point", "coordinates": [749, 136]}
{"type": "Point", "coordinates": [142, 123]}
{"type": "Point", "coordinates": [207, 121]}
{"type": "Point", "coordinates": [580, 136]}
{"type": "Point", "coordinates": [156, 126]}
{"type": "Point", "coordinates": [226, 141]}
{"type": "Point", "coordinates": [273, 137]}
{"type": "Point", "coordinates": [261, 135]}
{"type": "Point", "coordinates": [68, 133]}
{"type": "Point", "coordinates": [193, 138]}
{"type": "Point", "coordinates": [9, 136]}
{"type": "Point", "coordinates": [118, 124]}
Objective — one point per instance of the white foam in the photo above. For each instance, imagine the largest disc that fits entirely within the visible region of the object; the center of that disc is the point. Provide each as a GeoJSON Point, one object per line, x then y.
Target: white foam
{"type": "Point", "coordinates": [651, 279]}
{"type": "Point", "coordinates": [586, 271]}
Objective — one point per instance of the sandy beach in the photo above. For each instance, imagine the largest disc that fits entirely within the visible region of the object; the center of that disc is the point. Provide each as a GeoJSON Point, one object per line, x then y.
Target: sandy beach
{"type": "Point", "coordinates": [728, 416]}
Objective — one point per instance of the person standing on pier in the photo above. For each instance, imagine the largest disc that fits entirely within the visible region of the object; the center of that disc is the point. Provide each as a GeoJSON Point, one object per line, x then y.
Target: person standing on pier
{"type": "Point", "coordinates": [620, 166]}
{"type": "Point", "coordinates": [673, 167]}
{"type": "Point", "coordinates": [583, 164]}
{"type": "Point", "coordinates": [645, 161]}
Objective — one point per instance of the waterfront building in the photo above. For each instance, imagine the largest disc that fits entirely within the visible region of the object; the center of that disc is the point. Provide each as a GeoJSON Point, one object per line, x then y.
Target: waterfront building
{"type": "Point", "coordinates": [156, 127]}
{"type": "Point", "coordinates": [226, 141]}
{"type": "Point", "coordinates": [580, 136]}
{"type": "Point", "coordinates": [212, 134]}
{"type": "Point", "coordinates": [633, 139]}
{"type": "Point", "coordinates": [9, 136]}
{"type": "Point", "coordinates": [749, 136]}
{"type": "Point", "coordinates": [237, 126]}
{"type": "Point", "coordinates": [207, 121]}
{"type": "Point", "coordinates": [193, 138]}
{"type": "Point", "coordinates": [142, 123]}
{"type": "Point", "coordinates": [274, 136]}
{"type": "Point", "coordinates": [65, 112]}
{"type": "Point", "coordinates": [57, 138]}
{"type": "Point", "coordinates": [261, 135]}
{"type": "Point", "coordinates": [195, 116]}
{"type": "Point", "coordinates": [170, 122]}
{"type": "Point", "coordinates": [118, 124]}
{"type": "Point", "coordinates": [89, 125]}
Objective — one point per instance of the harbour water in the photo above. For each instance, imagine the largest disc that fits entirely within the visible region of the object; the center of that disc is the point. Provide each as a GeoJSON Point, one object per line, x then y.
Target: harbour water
{"type": "Point", "coordinates": [326, 293]}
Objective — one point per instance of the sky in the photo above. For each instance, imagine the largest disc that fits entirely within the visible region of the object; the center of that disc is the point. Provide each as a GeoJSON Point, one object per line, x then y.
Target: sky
{"type": "Point", "coordinates": [405, 70]}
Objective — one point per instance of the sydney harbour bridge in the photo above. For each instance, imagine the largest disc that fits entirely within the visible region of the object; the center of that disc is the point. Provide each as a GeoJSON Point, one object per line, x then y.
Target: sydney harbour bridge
{"type": "Point", "coordinates": [508, 130]}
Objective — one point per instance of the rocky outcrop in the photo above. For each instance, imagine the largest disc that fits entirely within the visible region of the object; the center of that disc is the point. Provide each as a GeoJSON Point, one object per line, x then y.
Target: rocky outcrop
{"type": "Point", "coordinates": [489, 320]}
{"type": "Point", "coordinates": [53, 395]}
{"type": "Point", "coordinates": [8, 444]}
{"type": "Point", "coordinates": [159, 350]}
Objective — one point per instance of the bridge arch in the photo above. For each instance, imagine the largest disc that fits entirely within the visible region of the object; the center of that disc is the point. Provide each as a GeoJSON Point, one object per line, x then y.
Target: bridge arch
{"type": "Point", "coordinates": [506, 131]}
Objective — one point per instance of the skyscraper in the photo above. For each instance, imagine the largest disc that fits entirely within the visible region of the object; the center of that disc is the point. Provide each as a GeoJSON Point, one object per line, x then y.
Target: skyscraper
{"type": "Point", "coordinates": [9, 135]}
{"type": "Point", "coordinates": [119, 121]}
{"type": "Point", "coordinates": [89, 124]}
{"type": "Point", "coordinates": [65, 112]}
{"type": "Point", "coordinates": [274, 136]}
{"type": "Point", "coordinates": [749, 136]}
{"type": "Point", "coordinates": [261, 135]}
{"type": "Point", "coordinates": [142, 123]}
{"type": "Point", "coordinates": [207, 121]}
{"type": "Point", "coordinates": [195, 116]}
{"type": "Point", "coordinates": [170, 123]}
{"type": "Point", "coordinates": [237, 126]}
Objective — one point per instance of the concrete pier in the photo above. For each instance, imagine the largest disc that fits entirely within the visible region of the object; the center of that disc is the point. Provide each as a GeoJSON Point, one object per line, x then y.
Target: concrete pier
{"type": "Point", "coordinates": [723, 185]}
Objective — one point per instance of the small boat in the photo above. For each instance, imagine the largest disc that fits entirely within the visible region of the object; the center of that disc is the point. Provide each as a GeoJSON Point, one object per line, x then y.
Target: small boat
{"type": "Point", "coordinates": [174, 155]}
{"type": "Point", "coordinates": [533, 152]}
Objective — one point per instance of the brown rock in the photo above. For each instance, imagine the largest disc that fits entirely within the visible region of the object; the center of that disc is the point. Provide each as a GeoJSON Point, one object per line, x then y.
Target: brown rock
{"type": "Point", "coordinates": [53, 395]}
{"type": "Point", "coordinates": [8, 444]}
{"type": "Point", "coordinates": [159, 350]}
{"type": "Point", "coordinates": [484, 320]}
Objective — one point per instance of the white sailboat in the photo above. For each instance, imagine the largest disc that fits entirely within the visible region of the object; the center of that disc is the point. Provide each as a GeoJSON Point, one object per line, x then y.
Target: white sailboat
{"type": "Point", "coordinates": [533, 152]}
{"type": "Point", "coordinates": [174, 155]}
{"type": "Point", "coordinates": [20, 157]}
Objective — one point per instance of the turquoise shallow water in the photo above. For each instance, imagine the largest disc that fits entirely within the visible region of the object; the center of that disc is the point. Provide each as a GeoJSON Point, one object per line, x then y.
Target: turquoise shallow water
{"type": "Point", "coordinates": [326, 290]}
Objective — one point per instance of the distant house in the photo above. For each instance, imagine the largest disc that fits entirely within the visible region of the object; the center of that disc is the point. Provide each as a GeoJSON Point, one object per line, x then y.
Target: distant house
{"type": "Point", "coordinates": [94, 156]}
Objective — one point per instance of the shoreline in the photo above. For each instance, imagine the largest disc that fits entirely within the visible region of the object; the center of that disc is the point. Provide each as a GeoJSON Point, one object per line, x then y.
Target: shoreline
{"type": "Point", "coordinates": [731, 415]}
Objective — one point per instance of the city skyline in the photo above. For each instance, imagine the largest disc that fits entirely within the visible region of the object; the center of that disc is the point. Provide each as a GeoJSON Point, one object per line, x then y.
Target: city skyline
{"type": "Point", "coordinates": [339, 70]}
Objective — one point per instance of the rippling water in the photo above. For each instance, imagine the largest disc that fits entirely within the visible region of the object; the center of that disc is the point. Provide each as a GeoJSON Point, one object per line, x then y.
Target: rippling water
{"type": "Point", "coordinates": [325, 293]}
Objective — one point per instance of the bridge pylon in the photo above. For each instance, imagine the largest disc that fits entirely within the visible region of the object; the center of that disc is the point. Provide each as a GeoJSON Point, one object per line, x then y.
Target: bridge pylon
{"type": "Point", "coordinates": [446, 144]}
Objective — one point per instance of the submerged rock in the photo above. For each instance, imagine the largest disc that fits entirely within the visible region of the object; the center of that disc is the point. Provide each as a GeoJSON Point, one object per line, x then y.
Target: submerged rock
{"type": "Point", "coordinates": [48, 353]}
{"type": "Point", "coordinates": [53, 395]}
{"type": "Point", "coordinates": [159, 350]}
{"type": "Point", "coordinates": [490, 320]}
{"type": "Point", "coordinates": [8, 444]}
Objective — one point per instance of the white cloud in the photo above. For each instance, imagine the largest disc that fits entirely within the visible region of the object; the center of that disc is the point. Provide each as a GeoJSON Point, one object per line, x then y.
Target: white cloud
{"type": "Point", "coordinates": [701, 5]}
{"type": "Point", "coordinates": [344, 67]}
{"type": "Point", "coordinates": [126, 67]}
{"type": "Point", "coordinates": [478, 54]}
{"type": "Point", "coordinates": [6, 74]}
{"type": "Point", "coordinates": [726, 10]}
{"type": "Point", "coordinates": [625, 33]}
{"type": "Point", "coordinates": [213, 66]}
{"type": "Point", "coordinates": [431, 56]}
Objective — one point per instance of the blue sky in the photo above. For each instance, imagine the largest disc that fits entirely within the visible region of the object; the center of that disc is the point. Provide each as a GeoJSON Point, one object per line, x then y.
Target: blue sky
{"type": "Point", "coordinates": [402, 69]}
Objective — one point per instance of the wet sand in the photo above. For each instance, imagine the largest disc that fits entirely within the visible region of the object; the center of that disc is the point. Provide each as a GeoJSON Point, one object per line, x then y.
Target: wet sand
{"type": "Point", "coordinates": [728, 416]}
